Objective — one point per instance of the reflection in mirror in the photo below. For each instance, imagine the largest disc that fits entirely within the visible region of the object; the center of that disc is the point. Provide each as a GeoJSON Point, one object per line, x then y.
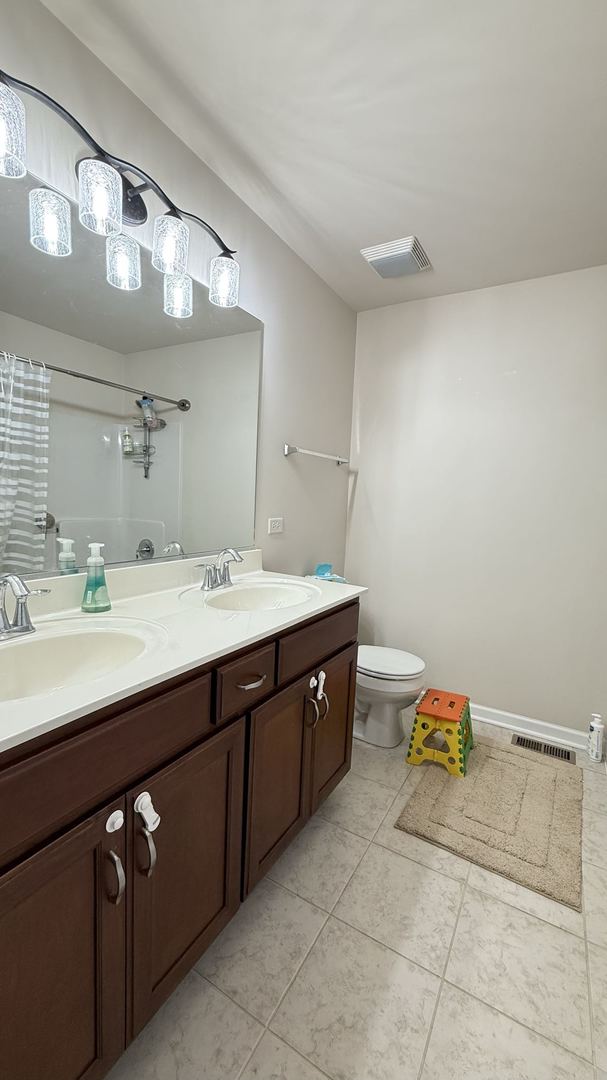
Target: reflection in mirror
{"type": "Point", "coordinates": [84, 461]}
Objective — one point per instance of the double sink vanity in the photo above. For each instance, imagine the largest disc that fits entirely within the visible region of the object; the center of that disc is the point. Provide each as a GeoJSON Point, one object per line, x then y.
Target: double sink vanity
{"type": "Point", "coordinates": [154, 763]}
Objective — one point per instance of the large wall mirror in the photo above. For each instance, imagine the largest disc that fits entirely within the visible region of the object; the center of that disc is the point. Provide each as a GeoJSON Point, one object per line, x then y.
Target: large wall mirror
{"type": "Point", "coordinates": [134, 476]}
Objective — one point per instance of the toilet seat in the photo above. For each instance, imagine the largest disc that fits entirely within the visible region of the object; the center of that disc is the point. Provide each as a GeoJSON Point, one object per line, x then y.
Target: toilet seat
{"type": "Point", "coordinates": [394, 665]}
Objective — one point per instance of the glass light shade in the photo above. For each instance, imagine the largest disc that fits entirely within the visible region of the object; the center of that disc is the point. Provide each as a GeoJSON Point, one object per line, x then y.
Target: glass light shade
{"type": "Point", "coordinates": [50, 222]}
{"type": "Point", "coordinates": [224, 276]}
{"type": "Point", "coordinates": [123, 261]}
{"type": "Point", "coordinates": [100, 197]}
{"type": "Point", "coordinates": [178, 295]}
{"type": "Point", "coordinates": [12, 133]}
{"type": "Point", "coordinates": [170, 244]}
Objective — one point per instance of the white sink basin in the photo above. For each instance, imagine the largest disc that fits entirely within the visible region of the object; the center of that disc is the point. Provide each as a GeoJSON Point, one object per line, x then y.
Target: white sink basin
{"type": "Point", "coordinates": [66, 652]}
{"type": "Point", "coordinates": [254, 596]}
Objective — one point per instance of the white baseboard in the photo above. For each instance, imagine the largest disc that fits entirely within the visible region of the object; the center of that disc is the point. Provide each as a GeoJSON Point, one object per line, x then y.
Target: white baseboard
{"type": "Point", "coordinates": [526, 725]}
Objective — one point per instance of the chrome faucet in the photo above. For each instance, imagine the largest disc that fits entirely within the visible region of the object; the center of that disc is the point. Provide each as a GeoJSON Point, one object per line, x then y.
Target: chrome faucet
{"type": "Point", "coordinates": [217, 575]}
{"type": "Point", "coordinates": [225, 557]}
{"type": "Point", "coordinates": [21, 623]}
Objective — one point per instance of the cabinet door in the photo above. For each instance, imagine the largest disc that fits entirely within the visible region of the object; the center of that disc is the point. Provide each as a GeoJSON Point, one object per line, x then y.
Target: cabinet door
{"type": "Point", "coordinates": [279, 764]}
{"type": "Point", "coordinates": [186, 867]}
{"type": "Point", "coordinates": [62, 950]}
{"type": "Point", "coordinates": [332, 734]}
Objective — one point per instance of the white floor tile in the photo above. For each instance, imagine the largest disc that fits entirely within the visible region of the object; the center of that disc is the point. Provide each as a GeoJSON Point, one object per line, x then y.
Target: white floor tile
{"type": "Point", "coordinates": [274, 1060]}
{"type": "Point", "coordinates": [357, 804]}
{"type": "Point", "coordinates": [320, 862]}
{"type": "Point", "coordinates": [408, 907]}
{"type": "Point", "coordinates": [197, 1035]}
{"type": "Point", "coordinates": [254, 959]}
{"type": "Point", "coordinates": [598, 990]}
{"type": "Point", "coordinates": [595, 792]}
{"type": "Point", "coordinates": [491, 731]}
{"type": "Point", "coordinates": [413, 847]}
{"type": "Point", "coordinates": [358, 1010]}
{"type": "Point", "coordinates": [471, 1041]}
{"type": "Point", "coordinates": [594, 839]}
{"type": "Point", "coordinates": [595, 903]}
{"type": "Point", "coordinates": [387, 767]}
{"type": "Point", "coordinates": [533, 972]}
{"type": "Point", "coordinates": [527, 900]}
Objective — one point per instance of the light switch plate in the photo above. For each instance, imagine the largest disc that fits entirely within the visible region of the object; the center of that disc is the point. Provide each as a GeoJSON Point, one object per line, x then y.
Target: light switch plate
{"type": "Point", "coordinates": [274, 526]}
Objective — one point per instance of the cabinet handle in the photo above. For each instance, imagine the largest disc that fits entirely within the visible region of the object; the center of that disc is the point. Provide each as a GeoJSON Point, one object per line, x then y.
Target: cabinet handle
{"type": "Point", "coordinates": [120, 877]}
{"type": "Point", "coordinates": [325, 698]}
{"type": "Point", "coordinates": [252, 685]}
{"type": "Point", "coordinates": [151, 851]}
{"type": "Point", "coordinates": [314, 702]}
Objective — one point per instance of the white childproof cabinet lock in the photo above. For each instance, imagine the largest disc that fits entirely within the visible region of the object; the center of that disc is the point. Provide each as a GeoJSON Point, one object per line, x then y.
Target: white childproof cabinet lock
{"type": "Point", "coordinates": [144, 806]}
{"type": "Point", "coordinates": [318, 684]}
{"type": "Point", "coordinates": [115, 821]}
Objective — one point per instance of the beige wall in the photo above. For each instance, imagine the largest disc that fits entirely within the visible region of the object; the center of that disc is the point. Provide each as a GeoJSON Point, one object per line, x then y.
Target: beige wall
{"type": "Point", "coordinates": [479, 510]}
{"type": "Point", "coordinates": [308, 352]}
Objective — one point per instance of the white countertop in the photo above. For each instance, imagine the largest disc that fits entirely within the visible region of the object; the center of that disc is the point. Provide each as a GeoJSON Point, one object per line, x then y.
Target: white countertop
{"type": "Point", "coordinates": [184, 635]}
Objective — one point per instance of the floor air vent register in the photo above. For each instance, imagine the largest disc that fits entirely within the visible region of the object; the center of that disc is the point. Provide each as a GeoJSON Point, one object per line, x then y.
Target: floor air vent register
{"type": "Point", "coordinates": [544, 748]}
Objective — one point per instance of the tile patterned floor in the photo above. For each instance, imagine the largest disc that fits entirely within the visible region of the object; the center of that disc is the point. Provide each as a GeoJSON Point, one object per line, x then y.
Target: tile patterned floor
{"type": "Point", "coordinates": [368, 954]}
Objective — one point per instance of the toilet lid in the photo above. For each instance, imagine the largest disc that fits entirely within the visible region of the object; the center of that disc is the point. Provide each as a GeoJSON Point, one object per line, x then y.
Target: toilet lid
{"type": "Point", "coordinates": [388, 663]}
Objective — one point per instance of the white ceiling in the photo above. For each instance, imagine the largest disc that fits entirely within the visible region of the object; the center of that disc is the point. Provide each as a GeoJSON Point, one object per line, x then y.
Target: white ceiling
{"type": "Point", "coordinates": [478, 125]}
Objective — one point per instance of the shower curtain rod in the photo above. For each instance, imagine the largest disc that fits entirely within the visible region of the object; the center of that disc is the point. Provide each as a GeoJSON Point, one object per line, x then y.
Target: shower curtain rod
{"type": "Point", "coordinates": [183, 404]}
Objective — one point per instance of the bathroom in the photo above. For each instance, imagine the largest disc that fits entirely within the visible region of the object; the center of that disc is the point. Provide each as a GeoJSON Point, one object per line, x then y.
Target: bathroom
{"type": "Point", "coordinates": [220, 859]}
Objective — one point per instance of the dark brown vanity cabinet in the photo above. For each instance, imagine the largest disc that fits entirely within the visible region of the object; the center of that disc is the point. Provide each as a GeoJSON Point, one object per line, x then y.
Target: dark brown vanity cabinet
{"type": "Point", "coordinates": [185, 874]}
{"type": "Point", "coordinates": [300, 748]}
{"type": "Point", "coordinates": [332, 733]}
{"type": "Point", "coordinates": [62, 950]}
{"type": "Point", "coordinates": [129, 837]}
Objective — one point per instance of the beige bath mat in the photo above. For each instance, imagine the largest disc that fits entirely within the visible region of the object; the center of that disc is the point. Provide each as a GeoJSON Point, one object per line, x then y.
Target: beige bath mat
{"type": "Point", "coordinates": [516, 813]}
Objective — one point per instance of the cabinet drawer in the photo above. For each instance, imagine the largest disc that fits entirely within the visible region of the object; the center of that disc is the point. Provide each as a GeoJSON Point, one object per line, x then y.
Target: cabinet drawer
{"type": "Point", "coordinates": [304, 649]}
{"type": "Point", "coordinates": [245, 681]}
{"type": "Point", "coordinates": [48, 791]}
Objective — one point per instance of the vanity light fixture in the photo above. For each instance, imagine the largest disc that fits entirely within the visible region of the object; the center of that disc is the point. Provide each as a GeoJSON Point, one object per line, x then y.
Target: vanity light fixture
{"type": "Point", "coordinates": [123, 262]}
{"type": "Point", "coordinates": [12, 134]}
{"type": "Point", "coordinates": [178, 295]}
{"type": "Point", "coordinates": [170, 244]}
{"type": "Point", "coordinates": [99, 197]}
{"type": "Point", "coordinates": [224, 276]}
{"type": "Point", "coordinates": [109, 197]}
{"type": "Point", "coordinates": [50, 222]}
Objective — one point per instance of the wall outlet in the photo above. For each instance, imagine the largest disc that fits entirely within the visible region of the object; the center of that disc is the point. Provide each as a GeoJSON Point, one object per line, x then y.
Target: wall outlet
{"type": "Point", "coordinates": [274, 526]}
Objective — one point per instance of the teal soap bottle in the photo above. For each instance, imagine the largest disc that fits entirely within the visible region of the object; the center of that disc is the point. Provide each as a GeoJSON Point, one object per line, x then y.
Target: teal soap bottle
{"type": "Point", "coordinates": [96, 597]}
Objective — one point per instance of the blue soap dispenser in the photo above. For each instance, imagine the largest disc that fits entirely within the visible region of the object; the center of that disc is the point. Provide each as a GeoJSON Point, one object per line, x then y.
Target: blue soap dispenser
{"type": "Point", "coordinates": [96, 597]}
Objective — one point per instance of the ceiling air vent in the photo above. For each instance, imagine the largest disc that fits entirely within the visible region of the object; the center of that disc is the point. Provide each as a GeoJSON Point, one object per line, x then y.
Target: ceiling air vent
{"type": "Point", "coordinates": [397, 258]}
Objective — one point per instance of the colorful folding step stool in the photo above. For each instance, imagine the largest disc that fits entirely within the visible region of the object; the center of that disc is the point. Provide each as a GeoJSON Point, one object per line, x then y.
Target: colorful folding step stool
{"type": "Point", "coordinates": [448, 715]}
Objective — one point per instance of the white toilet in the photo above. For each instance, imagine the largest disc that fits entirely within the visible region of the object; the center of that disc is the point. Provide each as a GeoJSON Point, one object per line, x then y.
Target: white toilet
{"type": "Point", "coordinates": [387, 681]}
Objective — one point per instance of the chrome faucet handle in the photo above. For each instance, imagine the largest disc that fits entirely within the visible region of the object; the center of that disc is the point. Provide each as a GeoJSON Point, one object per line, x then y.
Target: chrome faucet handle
{"type": "Point", "coordinates": [22, 622]}
{"type": "Point", "coordinates": [210, 580]}
{"type": "Point", "coordinates": [225, 557]}
{"type": "Point", "coordinates": [4, 619]}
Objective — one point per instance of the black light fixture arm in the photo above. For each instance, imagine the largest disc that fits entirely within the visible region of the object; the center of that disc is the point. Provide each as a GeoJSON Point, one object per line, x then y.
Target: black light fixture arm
{"type": "Point", "coordinates": [148, 182]}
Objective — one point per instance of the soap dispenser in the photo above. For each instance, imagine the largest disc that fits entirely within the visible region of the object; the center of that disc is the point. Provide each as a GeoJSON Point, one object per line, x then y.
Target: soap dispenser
{"type": "Point", "coordinates": [96, 597]}
{"type": "Point", "coordinates": [67, 556]}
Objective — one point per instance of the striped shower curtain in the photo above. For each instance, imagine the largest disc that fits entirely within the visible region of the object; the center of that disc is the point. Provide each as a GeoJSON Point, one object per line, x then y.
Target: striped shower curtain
{"type": "Point", "coordinates": [24, 433]}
